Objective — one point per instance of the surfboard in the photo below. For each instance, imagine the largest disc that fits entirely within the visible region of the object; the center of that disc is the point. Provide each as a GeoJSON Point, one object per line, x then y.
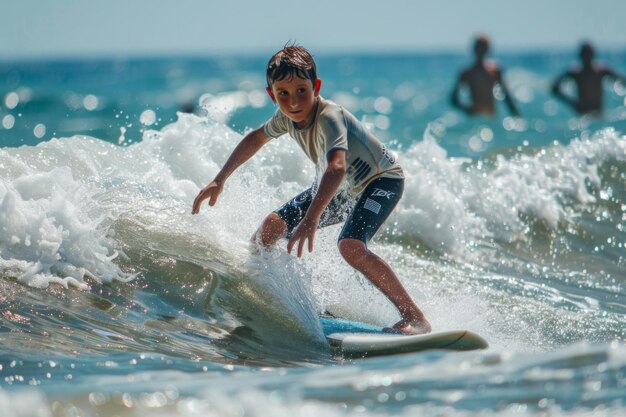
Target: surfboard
{"type": "Point", "coordinates": [351, 338]}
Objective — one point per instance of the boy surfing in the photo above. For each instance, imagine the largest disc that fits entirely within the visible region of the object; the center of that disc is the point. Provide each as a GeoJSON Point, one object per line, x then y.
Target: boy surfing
{"type": "Point", "coordinates": [355, 166]}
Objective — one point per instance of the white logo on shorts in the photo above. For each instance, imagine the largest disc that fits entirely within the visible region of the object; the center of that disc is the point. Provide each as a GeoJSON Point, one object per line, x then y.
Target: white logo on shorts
{"type": "Point", "coordinates": [382, 193]}
{"type": "Point", "coordinates": [372, 206]}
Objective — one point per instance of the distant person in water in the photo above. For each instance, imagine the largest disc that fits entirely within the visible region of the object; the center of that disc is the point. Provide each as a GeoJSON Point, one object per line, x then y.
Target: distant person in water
{"type": "Point", "coordinates": [481, 78]}
{"type": "Point", "coordinates": [588, 80]}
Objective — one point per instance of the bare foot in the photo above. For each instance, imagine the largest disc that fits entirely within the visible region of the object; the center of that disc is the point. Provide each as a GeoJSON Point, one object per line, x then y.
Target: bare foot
{"type": "Point", "coordinates": [410, 327]}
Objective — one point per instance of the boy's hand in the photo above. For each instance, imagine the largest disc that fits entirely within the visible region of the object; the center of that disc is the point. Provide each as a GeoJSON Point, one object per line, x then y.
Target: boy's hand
{"type": "Point", "coordinates": [305, 230]}
{"type": "Point", "coordinates": [211, 191]}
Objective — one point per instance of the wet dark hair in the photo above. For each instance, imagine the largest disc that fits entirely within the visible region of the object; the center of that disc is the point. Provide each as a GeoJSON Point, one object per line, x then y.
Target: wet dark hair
{"type": "Point", "coordinates": [292, 60]}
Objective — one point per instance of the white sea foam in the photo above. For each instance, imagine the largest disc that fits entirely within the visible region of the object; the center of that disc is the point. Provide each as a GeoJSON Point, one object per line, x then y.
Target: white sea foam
{"type": "Point", "coordinates": [451, 204]}
{"type": "Point", "coordinates": [65, 204]}
{"type": "Point", "coordinates": [62, 202]}
{"type": "Point", "coordinates": [50, 232]}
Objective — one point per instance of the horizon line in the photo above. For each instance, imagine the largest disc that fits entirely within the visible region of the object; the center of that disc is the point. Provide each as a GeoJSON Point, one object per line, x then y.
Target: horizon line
{"type": "Point", "coordinates": [323, 51]}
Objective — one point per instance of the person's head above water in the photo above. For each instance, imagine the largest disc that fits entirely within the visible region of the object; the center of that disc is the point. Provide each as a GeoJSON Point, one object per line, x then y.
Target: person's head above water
{"type": "Point", "coordinates": [587, 52]}
{"type": "Point", "coordinates": [481, 46]}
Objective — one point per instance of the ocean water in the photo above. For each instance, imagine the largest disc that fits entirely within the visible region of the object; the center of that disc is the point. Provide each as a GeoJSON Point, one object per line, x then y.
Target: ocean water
{"type": "Point", "coordinates": [116, 301]}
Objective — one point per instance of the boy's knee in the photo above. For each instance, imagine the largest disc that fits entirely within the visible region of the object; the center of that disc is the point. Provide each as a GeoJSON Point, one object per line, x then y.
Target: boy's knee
{"type": "Point", "coordinates": [351, 249]}
{"type": "Point", "coordinates": [274, 220]}
{"type": "Point", "coordinates": [272, 229]}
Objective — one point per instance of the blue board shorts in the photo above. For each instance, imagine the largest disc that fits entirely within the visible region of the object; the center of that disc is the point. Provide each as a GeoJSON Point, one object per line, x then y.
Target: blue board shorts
{"type": "Point", "coordinates": [362, 220]}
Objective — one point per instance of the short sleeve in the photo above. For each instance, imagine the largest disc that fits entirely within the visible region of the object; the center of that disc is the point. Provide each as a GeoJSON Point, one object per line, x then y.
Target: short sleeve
{"type": "Point", "coordinates": [277, 126]}
{"type": "Point", "coordinates": [334, 131]}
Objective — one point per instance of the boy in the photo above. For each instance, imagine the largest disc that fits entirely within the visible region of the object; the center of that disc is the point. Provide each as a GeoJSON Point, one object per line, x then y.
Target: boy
{"type": "Point", "coordinates": [336, 141]}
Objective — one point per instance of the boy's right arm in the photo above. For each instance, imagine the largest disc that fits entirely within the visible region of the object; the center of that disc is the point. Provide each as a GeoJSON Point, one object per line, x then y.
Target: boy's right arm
{"type": "Point", "coordinates": [248, 146]}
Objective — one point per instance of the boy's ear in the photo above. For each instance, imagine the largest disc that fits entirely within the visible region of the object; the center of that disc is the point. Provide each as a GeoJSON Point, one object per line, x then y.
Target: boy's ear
{"type": "Point", "coordinates": [271, 94]}
{"type": "Point", "coordinates": [318, 86]}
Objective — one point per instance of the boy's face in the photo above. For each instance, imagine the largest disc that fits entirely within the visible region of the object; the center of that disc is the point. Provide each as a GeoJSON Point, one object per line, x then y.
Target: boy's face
{"type": "Point", "coordinates": [296, 98]}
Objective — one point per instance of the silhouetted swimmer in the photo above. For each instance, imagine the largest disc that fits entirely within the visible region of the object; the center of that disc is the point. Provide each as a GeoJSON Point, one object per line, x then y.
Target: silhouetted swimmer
{"type": "Point", "coordinates": [481, 78]}
{"type": "Point", "coordinates": [588, 80]}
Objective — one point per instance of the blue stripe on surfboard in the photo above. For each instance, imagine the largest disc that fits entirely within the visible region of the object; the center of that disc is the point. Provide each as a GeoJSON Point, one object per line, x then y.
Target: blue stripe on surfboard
{"type": "Point", "coordinates": [336, 325]}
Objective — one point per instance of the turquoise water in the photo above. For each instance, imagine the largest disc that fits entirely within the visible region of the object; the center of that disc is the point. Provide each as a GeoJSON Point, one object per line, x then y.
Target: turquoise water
{"type": "Point", "coordinates": [115, 300]}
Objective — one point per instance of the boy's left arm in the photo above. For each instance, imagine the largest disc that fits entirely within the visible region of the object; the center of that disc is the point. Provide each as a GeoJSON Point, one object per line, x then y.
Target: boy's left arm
{"type": "Point", "coordinates": [329, 184]}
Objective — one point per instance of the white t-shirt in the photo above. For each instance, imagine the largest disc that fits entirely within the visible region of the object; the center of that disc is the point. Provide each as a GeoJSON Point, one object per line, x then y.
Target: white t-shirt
{"type": "Point", "coordinates": [333, 127]}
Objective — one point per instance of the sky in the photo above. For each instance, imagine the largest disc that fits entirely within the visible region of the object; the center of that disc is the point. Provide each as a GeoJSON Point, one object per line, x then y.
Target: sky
{"type": "Point", "coordinates": [48, 28]}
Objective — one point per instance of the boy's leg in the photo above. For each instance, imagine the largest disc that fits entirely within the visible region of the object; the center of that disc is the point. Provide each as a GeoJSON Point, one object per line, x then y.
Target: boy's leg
{"type": "Point", "coordinates": [283, 221]}
{"type": "Point", "coordinates": [271, 231]}
{"type": "Point", "coordinates": [370, 212]}
{"type": "Point", "coordinates": [379, 273]}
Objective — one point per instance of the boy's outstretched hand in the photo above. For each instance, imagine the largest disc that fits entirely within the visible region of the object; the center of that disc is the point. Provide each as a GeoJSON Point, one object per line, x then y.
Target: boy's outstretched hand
{"type": "Point", "coordinates": [305, 230]}
{"type": "Point", "coordinates": [211, 191]}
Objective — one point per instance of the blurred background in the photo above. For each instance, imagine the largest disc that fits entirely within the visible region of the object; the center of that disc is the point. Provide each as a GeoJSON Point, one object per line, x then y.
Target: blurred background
{"type": "Point", "coordinates": [111, 70]}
